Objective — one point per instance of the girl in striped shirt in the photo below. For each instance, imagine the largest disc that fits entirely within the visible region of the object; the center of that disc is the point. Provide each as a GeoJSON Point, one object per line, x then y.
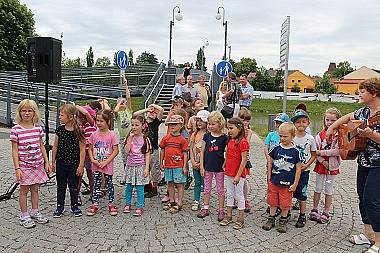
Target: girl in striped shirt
{"type": "Point", "coordinates": [30, 160]}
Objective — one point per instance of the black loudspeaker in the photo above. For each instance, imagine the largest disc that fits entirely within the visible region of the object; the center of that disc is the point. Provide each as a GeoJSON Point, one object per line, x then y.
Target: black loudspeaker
{"type": "Point", "coordinates": [44, 56]}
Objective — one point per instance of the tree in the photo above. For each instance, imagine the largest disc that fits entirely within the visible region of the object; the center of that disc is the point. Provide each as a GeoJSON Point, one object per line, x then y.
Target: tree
{"type": "Point", "coordinates": [263, 81]}
{"type": "Point", "coordinates": [342, 69]}
{"type": "Point", "coordinates": [71, 63]}
{"type": "Point", "coordinates": [324, 85]}
{"type": "Point", "coordinates": [16, 24]}
{"type": "Point", "coordinates": [245, 66]}
{"type": "Point", "coordinates": [146, 58]}
{"type": "Point", "coordinates": [201, 60]}
{"type": "Point", "coordinates": [130, 57]}
{"type": "Point", "coordinates": [90, 58]}
{"type": "Point", "coordinates": [103, 62]}
{"type": "Point", "coordinates": [295, 88]}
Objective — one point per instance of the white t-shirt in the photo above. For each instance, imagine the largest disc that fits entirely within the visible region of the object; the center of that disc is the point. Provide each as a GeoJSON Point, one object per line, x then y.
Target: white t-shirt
{"type": "Point", "coordinates": [305, 146]}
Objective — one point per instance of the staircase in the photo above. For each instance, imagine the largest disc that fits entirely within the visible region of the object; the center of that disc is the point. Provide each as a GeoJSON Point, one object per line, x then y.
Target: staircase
{"type": "Point", "coordinates": [164, 98]}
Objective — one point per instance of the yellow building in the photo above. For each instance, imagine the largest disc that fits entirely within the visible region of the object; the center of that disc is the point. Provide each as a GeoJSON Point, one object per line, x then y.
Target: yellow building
{"type": "Point", "coordinates": [303, 81]}
{"type": "Point", "coordinates": [349, 84]}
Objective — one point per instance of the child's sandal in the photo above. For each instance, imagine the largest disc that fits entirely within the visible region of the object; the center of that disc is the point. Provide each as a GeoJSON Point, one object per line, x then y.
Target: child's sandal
{"type": "Point", "coordinates": [175, 209]}
{"type": "Point", "coordinates": [168, 206]}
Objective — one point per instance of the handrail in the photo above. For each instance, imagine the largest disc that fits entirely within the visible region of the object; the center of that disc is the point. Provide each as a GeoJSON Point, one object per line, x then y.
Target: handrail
{"type": "Point", "coordinates": [154, 88]}
{"type": "Point", "coordinates": [150, 84]}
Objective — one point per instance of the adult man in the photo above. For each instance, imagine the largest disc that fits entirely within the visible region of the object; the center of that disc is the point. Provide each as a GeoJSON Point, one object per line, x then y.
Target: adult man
{"type": "Point", "coordinates": [247, 92]}
{"type": "Point", "coordinates": [203, 90]}
{"type": "Point", "coordinates": [232, 96]}
{"type": "Point", "coordinates": [177, 90]}
{"type": "Point", "coordinates": [189, 91]}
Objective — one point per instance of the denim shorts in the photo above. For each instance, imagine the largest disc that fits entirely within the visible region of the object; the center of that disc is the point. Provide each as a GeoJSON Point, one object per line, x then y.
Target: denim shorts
{"type": "Point", "coordinates": [175, 175]}
{"type": "Point", "coordinates": [301, 191]}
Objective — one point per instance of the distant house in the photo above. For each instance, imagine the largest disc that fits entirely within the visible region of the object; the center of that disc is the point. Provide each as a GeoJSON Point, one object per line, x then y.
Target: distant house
{"type": "Point", "coordinates": [349, 84]}
{"type": "Point", "coordinates": [306, 83]}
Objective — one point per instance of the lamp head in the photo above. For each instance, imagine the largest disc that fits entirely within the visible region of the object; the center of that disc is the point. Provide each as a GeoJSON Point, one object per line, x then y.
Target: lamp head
{"type": "Point", "coordinates": [206, 43]}
{"type": "Point", "coordinates": [178, 16]}
{"type": "Point", "coordinates": [218, 16]}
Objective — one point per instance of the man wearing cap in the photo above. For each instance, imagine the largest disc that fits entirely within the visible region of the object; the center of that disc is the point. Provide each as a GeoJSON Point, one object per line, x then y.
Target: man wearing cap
{"type": "Point", "coordinates": [247, 92]}
{"type": "Point", "coordinates": [173, 160]}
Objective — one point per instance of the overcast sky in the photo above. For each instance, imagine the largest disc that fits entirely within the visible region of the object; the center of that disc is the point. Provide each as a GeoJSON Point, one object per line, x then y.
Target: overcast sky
{"type": "Point", "coordinates": [322, 31]}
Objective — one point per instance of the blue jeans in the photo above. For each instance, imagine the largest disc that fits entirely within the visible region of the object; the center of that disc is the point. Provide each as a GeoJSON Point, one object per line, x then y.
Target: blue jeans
{"type": "Point", "coordinates": [368, 189]}
{"type": "Point", "coordinates": [140, 195]}
{"type": "Point", "coordinates": [198, 184]}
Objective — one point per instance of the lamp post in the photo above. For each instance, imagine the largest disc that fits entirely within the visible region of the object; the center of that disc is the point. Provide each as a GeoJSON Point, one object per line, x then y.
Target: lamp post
{"type": "Point", "coordinates": [218, 17]}
{"type": "Point", "coordinates": [205, 44]}
{"type": "Point", "coordinates": [229, 51]}
{"type": "Point", "coordinates": [178, 17]}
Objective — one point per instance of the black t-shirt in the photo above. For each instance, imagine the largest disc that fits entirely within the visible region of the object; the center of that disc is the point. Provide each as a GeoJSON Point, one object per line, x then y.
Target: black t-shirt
{"type": "Point", "coordinates": [214, 152]}
{"type": "Point", "coordinates": [68, 146]}
{"type": "Point", "coordinates": [153, 132]}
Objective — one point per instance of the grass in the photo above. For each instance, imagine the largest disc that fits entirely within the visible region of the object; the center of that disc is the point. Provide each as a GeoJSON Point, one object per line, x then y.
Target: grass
{"type": "Point", "coordinates": [261, 108]}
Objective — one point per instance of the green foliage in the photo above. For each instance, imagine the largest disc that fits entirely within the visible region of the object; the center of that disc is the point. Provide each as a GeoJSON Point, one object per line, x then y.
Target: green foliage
{"type": "Point", "coordinates": [278, 79]}
{"type": "Point", "coordinates": [201, 60]}
{"type": "Point", "coordinates": [263, 81]}
{"type": "Point", "coordinates": [90, 58]}
{"type": "Point", "coordinates": [130, 57]}
{"type": "Point", "coordinates": [245, 66]}
{"type": "Point", "coordinates": [295, 88]}
{"type": "Point", "coordinates": [16, 25]}
{"type": "Point", "coordinates": [71, 63]}
{"type": "Point", "coordinates": [324, 85]}
{"type": "Point", "coordinates": [146, 58]}
{"type": "Point", "coordinates": [103, 62]}
{"type": "Point", "coordinates": [342, 69]}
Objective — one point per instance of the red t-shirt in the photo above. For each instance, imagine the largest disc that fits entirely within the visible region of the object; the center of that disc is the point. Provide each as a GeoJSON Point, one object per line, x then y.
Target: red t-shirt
{"type": "Point", "coordinates": [233, 158]}
{"type": "Point", "coordinates": [174, 147]}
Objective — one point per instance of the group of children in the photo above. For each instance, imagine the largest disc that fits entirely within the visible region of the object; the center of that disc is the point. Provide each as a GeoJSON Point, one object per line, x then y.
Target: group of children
{"type": "Point", "coordinates": [213, 147]}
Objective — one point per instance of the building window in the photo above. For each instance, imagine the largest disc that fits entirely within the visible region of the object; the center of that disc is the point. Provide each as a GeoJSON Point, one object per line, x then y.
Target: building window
{"type": "Point", "coordinates": [299, 80]}
{"type": "Point", "coordinates": [292, 81]}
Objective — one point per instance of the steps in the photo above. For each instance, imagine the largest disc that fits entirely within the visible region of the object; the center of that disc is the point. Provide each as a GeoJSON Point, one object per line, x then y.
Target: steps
{"type": "Point", "coordinates": [164, 99]}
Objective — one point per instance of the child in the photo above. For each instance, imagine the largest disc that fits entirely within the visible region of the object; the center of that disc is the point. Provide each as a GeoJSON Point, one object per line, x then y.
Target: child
{"type": "Point", "coordinates": [68, 156]}
{"type": "Point", "coordinates": [245, 115]}
{"type": "Point", "coordinates": [368, 173]}
{"type": "Point", "coordinates": [173, 159]}
{"type": "Point", "coordinates": [196, 106]}
{"type": "Point", "coordinates": [30, 160]}
{"type": "Point", "coordinates": [326, 167]}
{"type": "Point", "coordinates": [138, 149]}
{"type": "Point", "coordinates": [305, 143]}
{"type": "Point", "coordinates": [211, 162]}
{"type": "Point", "coordinates": [195, 151]}
{"type": "Point", "coordinates": [103, 150]}
{"type": "Point", "coordinates": [154, 114]}
{"type": "Point", "coordinates": [283, 175]}
{"type": "Point", "coordinates": [123, 116]}
{"type": "Point", "coordinates": [236, 160]}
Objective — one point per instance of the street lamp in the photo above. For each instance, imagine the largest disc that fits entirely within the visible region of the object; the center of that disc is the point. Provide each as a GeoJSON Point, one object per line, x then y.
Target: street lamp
{"type": "Point", "coordinates": [178, 17]}
{"type": "Point", "coordinates": [205, 44]}
{"type": "Point", "coordinates": [218, 17]}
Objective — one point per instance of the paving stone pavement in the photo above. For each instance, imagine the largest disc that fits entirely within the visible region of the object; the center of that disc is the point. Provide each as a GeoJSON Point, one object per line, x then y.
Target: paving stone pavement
{"type": "Point", "coordinates": [157, 230]}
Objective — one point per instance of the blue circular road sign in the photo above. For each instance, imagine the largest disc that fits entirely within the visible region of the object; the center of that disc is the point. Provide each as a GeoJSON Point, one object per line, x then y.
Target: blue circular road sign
{"type": "Point", "coordinates": [223, 68]}
{"type": "Point", "coordinates": [121, 60]}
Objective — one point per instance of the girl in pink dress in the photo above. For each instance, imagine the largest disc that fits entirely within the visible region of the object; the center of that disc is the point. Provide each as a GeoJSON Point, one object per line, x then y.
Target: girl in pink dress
{"type": "Point", "coordinates": [29, 159]}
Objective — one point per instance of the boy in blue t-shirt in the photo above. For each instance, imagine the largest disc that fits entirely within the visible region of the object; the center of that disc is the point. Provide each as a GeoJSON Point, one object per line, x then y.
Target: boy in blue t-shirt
{"type": "Point", "coordinates": [284, 171]}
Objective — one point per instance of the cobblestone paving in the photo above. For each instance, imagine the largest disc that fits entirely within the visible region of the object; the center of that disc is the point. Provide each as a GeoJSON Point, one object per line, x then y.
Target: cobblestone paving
{"type": "Point", "coordinates": [158, 230]}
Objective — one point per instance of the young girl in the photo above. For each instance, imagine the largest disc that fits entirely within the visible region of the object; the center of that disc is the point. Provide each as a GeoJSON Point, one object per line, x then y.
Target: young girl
{"type": "Point", "coordinates": [211, 162]}
{"type": "Point", "coordinates": [103, 149]}
{"type": "Point", "coordinates": [29, 159]}
{"type": "Point", "coordinates": [196, 106]}
{"type": "Point", "coordinates": [195, 153]}
{"type": "Point", "coordinates": [245, 115]}
{"type": "Point", "coordinates": [236, 160]}
{"type": "Point", "coordinates": [326, 167]}
{"type": "Point", "coordinates": [138, 148]}
{"type": "Point", "coordinates": [68, 158]}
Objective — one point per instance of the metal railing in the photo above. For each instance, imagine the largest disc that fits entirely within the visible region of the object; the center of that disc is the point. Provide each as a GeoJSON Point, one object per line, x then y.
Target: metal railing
{"type": "Point", "coordinates": [153, 82]}
{"type": "Point", "coordinates": [156, 90]}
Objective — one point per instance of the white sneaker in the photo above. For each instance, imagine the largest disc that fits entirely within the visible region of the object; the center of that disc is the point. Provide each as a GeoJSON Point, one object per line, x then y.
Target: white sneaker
{"type": "Point", "coordinates": [39, 218]}
{"type": "Point", "coordinates": [27, 222]}
{"type": "Point", "coordinates": [195, 206]}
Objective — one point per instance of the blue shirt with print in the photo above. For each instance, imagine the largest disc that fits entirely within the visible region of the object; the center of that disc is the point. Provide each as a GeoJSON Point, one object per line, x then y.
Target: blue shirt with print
{"type": "Point", "coordinates": [272, 140]}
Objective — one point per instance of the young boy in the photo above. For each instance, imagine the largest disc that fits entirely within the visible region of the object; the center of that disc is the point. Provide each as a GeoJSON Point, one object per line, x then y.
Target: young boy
{"type": "Point", "coordinates": [284, 171]}
{"type": "Point", "coordinates": [173, 159]}
{"type": "Point", "coordinates": [153, 117]}
{"type": "Point", "coordinates": [305, 143]}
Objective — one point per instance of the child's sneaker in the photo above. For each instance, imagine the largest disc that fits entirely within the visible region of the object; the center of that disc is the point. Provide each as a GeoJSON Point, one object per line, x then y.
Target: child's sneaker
{"type": "Point", "coordinates": [239, 224]}
{"type": "Point", "coordinates": [189, 180]}
{"type": "Point", "coordinates": [296, 205]}
{"type": "Point", "coordinates": [301, 222]}
{"type": "Point", "coordinates": [112, 209]}
{"type": "Point", "coordinates": [127, 209]}
{"type": "Point", "coordinates": [247, 207]}
{"type": "Point", "coordinates": [92, 210]}
{"type": "Point", "coordinates": [226, 221]}
{"type": "Point", "coordinates": [203, 213]}
{"type": "Point", "coordinates": [138, 212]}
{"type": "Point", "coordinates": [195, 206]}
{"type": "Point", "coordinates": [76, 211]}
{"type": "Point", "coordinates": [59, 212]}
{"type": "Point", "coordinates": [27, 222]}
{"type": "Point", "coordinates": [324, 218]}
{"type": "Point", "coordinates": [165, 199]}
{"type": "Point", "coordinates": [270, 223]}
{"type": "Point", "coordinates": [314, 215]}
{"type": "Point", "coordinates": [39, 218]}
{"type": "Point", "coordinates": [282, 225]}
{"type": "Point", "coordinates": [221, 215]}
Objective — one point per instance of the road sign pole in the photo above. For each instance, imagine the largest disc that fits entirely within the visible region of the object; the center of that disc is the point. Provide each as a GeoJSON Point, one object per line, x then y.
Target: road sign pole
{"type": "Point", "coordinates": [284, 57]}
